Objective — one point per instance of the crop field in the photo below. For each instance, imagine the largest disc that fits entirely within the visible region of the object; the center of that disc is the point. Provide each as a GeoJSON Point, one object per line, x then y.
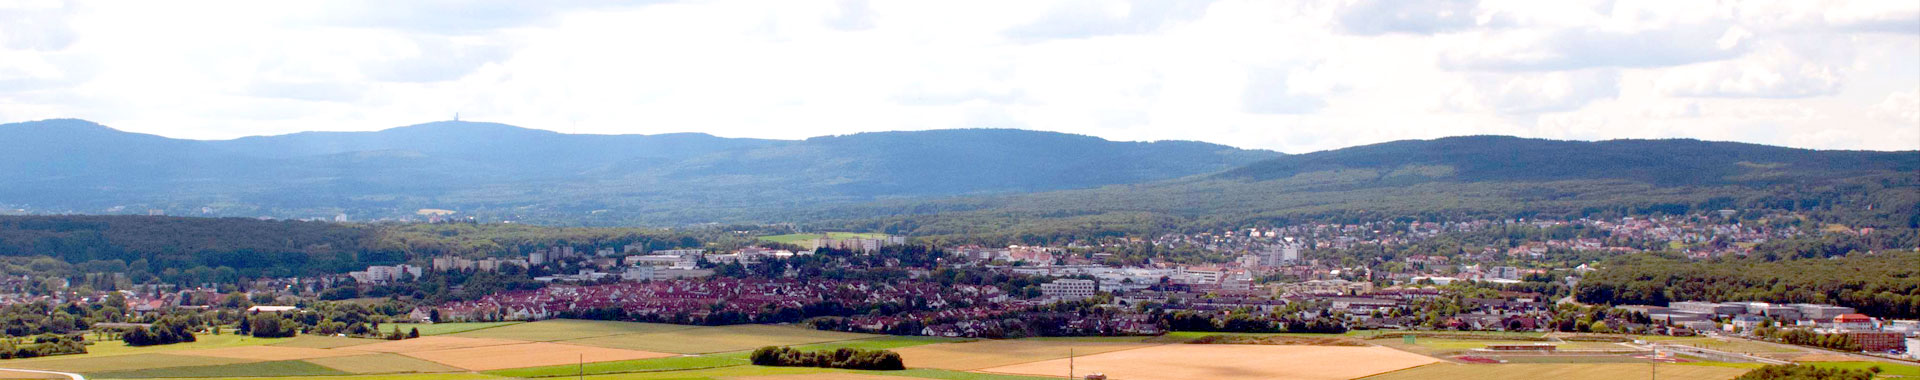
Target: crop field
{"type": "Point", "coordinates": [322, 341]}
{"type": "Point", "coordinates": [995, 353]}
{"type": "Point", "coordinates": [445, 328]}
{"type": "Point", "coordinates": [268, 353]}
{"type": "Point", "coordinates": [1596, 371]}
{"type": "Point", "coordinates": [642, 351]}
{"type": "Point", "coordinates": [567, 329]}
{"type": "Point", "coordinates": [274, 368]}
{"type": "Point", "coordinates": [529, 355]}
{"type": "Point", "coordinates": [4, 374]}
{"type": "Point", "coordinates": [702, 340]}
{"type": "Point", "coordinates": [1230, 362]}
{"type": "Point", "coordinates": [122, 362]}
{"type": "Point", "coordinates": [382, 363]}
{"type": "Point", "coordinates": [429, 343]}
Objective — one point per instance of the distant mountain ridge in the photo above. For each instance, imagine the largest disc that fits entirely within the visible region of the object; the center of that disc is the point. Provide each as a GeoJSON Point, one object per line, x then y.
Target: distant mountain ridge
{"type": "Point", "coordinates": [70, 165]}
{"type": "Point", "coordinates": [1660, 162]}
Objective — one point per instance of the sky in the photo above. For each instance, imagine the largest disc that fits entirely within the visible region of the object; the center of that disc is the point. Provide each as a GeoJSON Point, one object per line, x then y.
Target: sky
{"type": "Point", "coordinates": [1290, 76]}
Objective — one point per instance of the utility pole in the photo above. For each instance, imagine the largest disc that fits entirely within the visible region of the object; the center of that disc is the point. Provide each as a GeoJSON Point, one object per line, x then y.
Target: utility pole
{"type": "Point", "coordinates": [1069, 363]}
{"type": "Point", "coordinates": [581, 373]}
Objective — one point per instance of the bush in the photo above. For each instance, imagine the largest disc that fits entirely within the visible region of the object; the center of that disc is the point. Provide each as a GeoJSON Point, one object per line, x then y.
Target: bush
{"type": "Point", "coordinates": [272, 325]}
{"type": "Point", "coordinates": [845, 358]}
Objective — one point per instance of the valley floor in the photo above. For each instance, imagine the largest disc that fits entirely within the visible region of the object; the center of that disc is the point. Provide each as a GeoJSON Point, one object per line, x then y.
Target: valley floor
{"type": "Point", "coordinates": [623, 350]}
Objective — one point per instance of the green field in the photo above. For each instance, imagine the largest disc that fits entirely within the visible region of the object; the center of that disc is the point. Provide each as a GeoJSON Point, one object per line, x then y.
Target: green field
{"type": "Point", "coordinates": [426, 376]}
{"type": "Point", "coordinates": [568, 329]}
{"type": "Point", "coordinates": [121, 362]}
{"type": "Point", "coordinates": [1887, 370]}
{"type": "Point", "coordinates": [381, 363]}
{"type": "Point", "coordinates": [802, 239]}
{"type": "Point", "coordinates": [276, 368]}
{"type": "Point", "coordinates": [727, 359]}
{"type": "Point", "coordinates": [445, 328]}
{"type": "Point", "coordinates": [322, 341]}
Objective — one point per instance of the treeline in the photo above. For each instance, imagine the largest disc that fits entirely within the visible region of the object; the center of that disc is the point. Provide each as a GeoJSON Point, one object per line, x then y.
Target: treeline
{"type": "Point", "coordinates": [43, 345]}
{"type": "Point", "coordinates": [1806, 372]}
{"type": "Point", "coordinates": [1838, 342]}
{"type": "Point", "coordinates": [1885, 284]}
{"type": "Point", "coordinates": [1246, 323]}
{"type": "Point", "coordinates": [109, 252]}
{"type": "Point", "coordinates": [845, 358]}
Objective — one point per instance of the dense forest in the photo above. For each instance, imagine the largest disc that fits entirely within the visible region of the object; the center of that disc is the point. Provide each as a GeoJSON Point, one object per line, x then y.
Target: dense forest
{"type": "Point", "coordinates": [1884, 284]}
{"type": "Point", "coordinates": [190, 251]}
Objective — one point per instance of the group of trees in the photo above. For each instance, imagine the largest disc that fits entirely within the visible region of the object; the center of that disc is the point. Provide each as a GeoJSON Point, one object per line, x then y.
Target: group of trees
{"type": "Point", "coordinates": [269, 325]}
{"type": "Point", "coordinates": [1183, 320]}
{"type": "Point", "coordinates": [168, 330]}
{"type": "Point", "coordinates": [1839, 342]}
{"type": "Point", "coordinates": [1884, 284]}
{"type": "Point", "coordinates": [847, 358]}
{"type": "Point", "coordinates": [1807, 372]}
{"type": "Point", "coordinates": [42, 345]}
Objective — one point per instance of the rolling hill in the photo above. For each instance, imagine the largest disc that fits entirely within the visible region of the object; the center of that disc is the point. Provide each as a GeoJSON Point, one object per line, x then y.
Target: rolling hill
{"type": "Point", "coordinates": [505, 172]}
{"type": "Point", "coordinates": [1441, 179]}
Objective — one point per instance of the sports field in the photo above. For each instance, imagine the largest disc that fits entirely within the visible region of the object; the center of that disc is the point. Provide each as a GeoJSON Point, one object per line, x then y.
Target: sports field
{"type": "Point", "coordinates": [1230, 362]}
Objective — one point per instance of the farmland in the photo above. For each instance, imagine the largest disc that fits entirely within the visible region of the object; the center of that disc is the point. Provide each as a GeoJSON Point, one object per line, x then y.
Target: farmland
{"type": "Point", "coordinates": [642, 351]}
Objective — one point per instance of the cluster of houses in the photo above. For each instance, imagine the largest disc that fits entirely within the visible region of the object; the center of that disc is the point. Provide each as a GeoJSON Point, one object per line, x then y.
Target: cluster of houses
{"type": "Point", "coordinates": [1872, 334]}
{"type": "Point", "coordinates": [697, 299]}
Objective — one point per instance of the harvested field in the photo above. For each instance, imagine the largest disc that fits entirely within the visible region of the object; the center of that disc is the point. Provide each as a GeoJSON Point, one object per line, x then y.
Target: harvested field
{"type": "Point", "coordinates": [269, 353]}
{"type": "Point", "coordinates": [323, 341]}
{"type": "Point", "coordinates": [529, 355]}
{"type": "Point", "coordinates": [1277, 340]}
{"type": "Point", "coordinates": [429, 343]}
{"type": "Point", "coordinates": [568, 329]}
{"type": "Point", "coordinates": [820, 376]}
{"type": "Point", "coordinates": [719, 339]}
{"type": "Point", "coordinates": [382, 363]}
{"type": "Point", "coordinates": [994, 353]}
{"type": "Point", "coordinates": [123, 362]}
{"type": "Point", "coordinates": [1231, 362]}
{"type": "Point", "coordinates": [1595, 371]}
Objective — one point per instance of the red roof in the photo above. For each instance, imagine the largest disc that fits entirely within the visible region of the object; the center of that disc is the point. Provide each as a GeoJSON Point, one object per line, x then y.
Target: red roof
{"type": "Point", "coordinates": [1853, 318]}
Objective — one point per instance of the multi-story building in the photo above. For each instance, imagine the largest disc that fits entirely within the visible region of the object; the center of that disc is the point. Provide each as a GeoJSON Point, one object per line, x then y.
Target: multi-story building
{"type": "Point", "coordinates": [1821, 312]}
{"type": "Point", "coordinates": [1710, 308]}
{"type": "Point", "coordinates": [1878, 341]}
{"type": "Point", "coordinates": [1068, 289]}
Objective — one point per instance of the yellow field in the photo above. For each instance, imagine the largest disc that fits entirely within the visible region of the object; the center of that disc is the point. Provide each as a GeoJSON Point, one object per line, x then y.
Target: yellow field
{"type": "Point", "coordinates": [382, 363]}
{"type": "Point", "coordinates": [994, 353]}
{"type": "Point", "coordinates": [5, 374]}
{"type": "Point", "coordinates": [702, 340]}
{"type": "Point", "coordinates": [1230, 362]}
{"type": "Point", "coordinates": [1597, 371]}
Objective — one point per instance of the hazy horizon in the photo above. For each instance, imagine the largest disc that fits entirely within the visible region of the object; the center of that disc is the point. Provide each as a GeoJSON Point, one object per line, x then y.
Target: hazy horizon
{"type": "Point", "coordinates": [1290, 77]}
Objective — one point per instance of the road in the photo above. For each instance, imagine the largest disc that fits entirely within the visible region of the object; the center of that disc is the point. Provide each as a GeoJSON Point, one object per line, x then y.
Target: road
{"type": "Point", "coordinates": [69, 375]}
{"type": "Point", "coordinates": [1864, 357]}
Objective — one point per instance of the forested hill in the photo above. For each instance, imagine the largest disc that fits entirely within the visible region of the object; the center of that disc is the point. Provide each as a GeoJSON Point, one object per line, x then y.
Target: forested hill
{"type": "Point", "coordinates": [1444, 179]}
{"type": "Point", "coordinates": [1659, 162]}
{"type": "Point", "coordinates": [502, 172]}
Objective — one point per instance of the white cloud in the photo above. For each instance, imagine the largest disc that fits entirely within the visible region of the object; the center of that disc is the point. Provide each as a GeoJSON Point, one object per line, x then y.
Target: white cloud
{"type": "Point", "coordinates": [1291, 76]}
